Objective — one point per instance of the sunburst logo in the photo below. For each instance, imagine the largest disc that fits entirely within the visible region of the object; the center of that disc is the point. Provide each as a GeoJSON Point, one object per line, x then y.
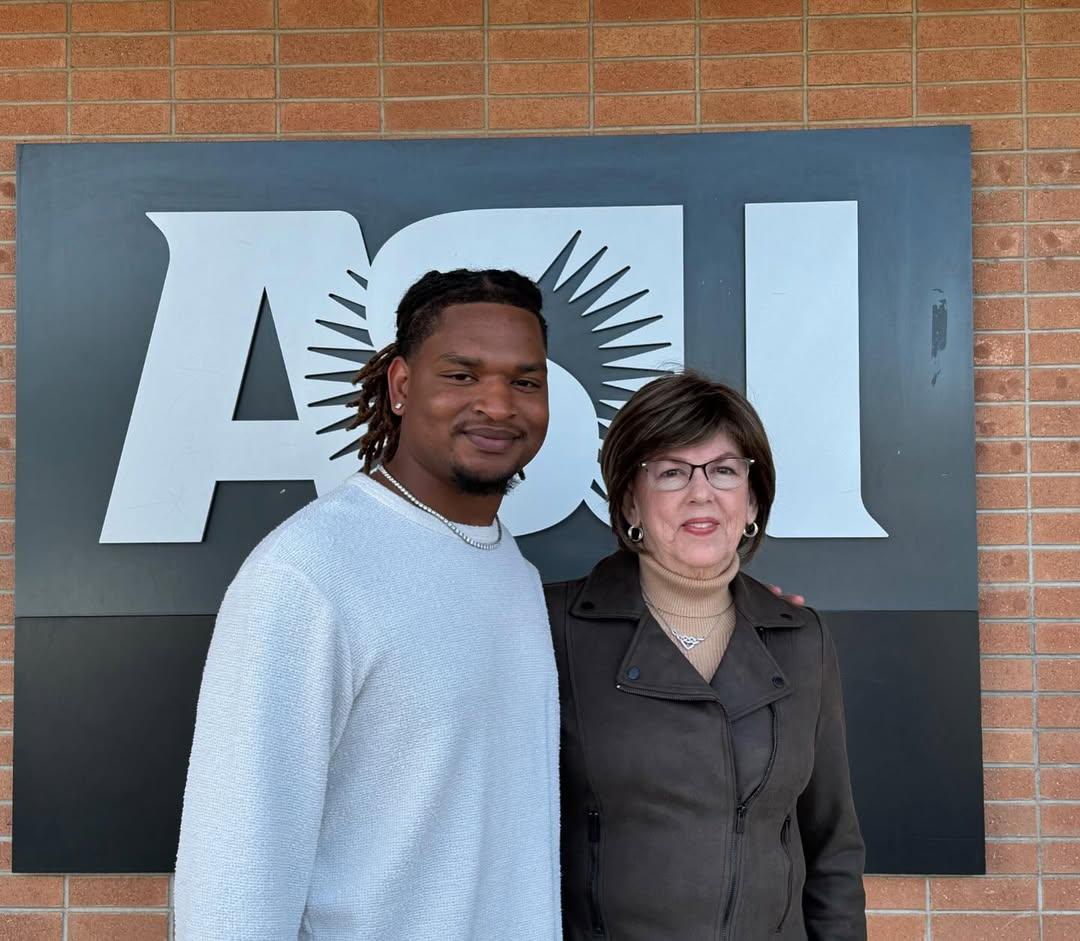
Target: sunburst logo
{"type": "Point", "coordinates": [612, 328]}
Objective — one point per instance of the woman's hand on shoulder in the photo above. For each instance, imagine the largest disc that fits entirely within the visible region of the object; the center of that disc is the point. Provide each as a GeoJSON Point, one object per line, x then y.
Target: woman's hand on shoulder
{"type": "Point", "coordinates": [790, 599]}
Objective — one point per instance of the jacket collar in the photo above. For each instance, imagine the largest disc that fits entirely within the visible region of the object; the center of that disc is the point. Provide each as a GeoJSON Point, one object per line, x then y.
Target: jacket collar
{"type": "Point", "coordinates": [748, 677]}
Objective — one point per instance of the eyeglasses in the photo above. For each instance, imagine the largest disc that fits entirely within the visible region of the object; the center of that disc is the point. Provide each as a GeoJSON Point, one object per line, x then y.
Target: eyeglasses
{"type": "Point", "coordinates": [724, 473]}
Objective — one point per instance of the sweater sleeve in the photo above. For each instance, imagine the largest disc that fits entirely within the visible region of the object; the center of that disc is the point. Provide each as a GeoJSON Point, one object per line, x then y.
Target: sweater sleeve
{"type": "Point", "coordinates": [833, 897]}
{"type": "Point", "coordinates": [275, 696]}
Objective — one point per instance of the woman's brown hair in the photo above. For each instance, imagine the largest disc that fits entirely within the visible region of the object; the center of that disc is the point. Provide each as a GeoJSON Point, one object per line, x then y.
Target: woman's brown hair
{"type": "Point", "coordinates": [675, 412]}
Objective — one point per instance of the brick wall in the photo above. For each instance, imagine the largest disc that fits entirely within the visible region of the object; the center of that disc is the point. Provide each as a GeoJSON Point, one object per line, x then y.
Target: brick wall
{"type": "Point", "coordinates": [358, 68]}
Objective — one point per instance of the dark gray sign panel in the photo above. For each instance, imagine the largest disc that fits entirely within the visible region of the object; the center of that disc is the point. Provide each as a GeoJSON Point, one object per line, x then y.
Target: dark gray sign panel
{"type": "Point", "coordinates": [190, 316]}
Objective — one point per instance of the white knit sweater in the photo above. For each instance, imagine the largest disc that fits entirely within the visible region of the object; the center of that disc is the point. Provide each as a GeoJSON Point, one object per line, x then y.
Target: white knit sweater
{"type": "Point", "coordinates": [376, 748]}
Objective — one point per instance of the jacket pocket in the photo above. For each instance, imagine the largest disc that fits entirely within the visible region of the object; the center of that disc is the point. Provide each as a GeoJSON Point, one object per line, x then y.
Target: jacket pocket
{"type": "Point", "coordinates": [785, 845]}
{"type": "Point", "coordinates": [592, 887]}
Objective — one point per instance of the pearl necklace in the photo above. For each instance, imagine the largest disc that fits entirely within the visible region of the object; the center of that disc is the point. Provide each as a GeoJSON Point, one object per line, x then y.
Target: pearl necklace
{"type": "Point", "coordinates": [453, 527]}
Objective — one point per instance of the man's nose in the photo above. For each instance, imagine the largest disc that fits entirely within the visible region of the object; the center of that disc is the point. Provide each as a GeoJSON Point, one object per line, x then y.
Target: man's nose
{"type": "Point", "coordinates": [495, 399]}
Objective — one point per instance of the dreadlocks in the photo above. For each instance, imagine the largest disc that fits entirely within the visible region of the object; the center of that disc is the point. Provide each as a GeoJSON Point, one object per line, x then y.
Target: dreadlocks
{"type": "Point", "coordinates": [417, 318]}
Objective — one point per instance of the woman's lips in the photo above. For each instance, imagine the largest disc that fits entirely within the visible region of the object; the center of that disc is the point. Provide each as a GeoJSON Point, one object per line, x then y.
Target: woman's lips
{"type": "Point", "coordinates": [701, 527]}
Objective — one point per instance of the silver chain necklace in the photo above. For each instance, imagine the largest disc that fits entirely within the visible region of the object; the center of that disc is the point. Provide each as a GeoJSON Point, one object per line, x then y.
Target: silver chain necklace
{"type": "Point", "coordinates": [453, 527]}
{"type": "Point", "coordinates": [689, 641]}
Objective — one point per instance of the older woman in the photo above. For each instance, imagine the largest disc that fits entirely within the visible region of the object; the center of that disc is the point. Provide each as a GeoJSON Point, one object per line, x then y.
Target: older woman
{"type": "Point", "coordinates": [705, 782]}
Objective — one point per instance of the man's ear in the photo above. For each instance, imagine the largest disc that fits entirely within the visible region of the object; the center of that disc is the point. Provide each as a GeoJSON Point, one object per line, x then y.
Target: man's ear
{"type": "Point", "coordinates": [397, 382]}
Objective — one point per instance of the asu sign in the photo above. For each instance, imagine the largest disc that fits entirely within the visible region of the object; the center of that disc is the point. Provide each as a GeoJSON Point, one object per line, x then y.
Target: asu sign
{"type": "Point", "coordinates": [191, 317]}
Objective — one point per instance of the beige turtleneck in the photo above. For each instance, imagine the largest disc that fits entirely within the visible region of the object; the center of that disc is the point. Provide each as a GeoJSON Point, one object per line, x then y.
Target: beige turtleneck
{"type": "Point", "coordinates": [695, 607]}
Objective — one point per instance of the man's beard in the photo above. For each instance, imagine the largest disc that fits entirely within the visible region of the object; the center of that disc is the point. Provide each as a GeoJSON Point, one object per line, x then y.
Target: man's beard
{"type": "Point", "coordinates": [475, 486]}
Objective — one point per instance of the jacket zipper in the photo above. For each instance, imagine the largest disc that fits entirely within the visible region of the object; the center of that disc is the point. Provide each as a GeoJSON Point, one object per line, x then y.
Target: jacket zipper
{"type": "Point", "coordinates": [593, 886]}
{"type": "Point", "coordinates": [785, 843]}
{"type": "Point", "coordinates": [740, 819]}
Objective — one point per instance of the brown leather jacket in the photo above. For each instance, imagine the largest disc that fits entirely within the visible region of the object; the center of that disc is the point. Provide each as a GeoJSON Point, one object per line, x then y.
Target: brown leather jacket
{"type": "Point", "coordinates": [696, 811]}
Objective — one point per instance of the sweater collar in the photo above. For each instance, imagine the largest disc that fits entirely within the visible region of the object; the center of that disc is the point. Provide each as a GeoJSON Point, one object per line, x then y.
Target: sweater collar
{"type": "Point", "coordinates": [678, 595]}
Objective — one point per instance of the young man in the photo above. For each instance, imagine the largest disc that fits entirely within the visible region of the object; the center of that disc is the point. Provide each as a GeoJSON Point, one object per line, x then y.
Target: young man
{"type": "Point", "coordinates": [376, 749]}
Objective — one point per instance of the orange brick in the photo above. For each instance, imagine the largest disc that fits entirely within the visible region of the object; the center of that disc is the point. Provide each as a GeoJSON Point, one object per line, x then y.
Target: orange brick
{"type": "Point", "coordinates": [947, 6]}
{"type": "Point", "coordinates": [1007, 857]}
{"type": "Point", "coordinates": [33, 18]}
{"type": "Point", "coordinates": [997, 170]}
{"type": "Point", "coordinates": [31, 891]}
{"type": "Point", "coordinates": [235, 118]}
{"type": "Point", "coordinates": [1053, 62]}
{"type": "Point", "coordinates": [1053, 132]}
{"type": "Point", "coordinates": [744, 9]}
{"type": "Point", "coordinates": [644, 110]}
{"type": "Point", "coordinates": [224, 83]}
{"type": "Point", "coordinates": [998, 241]}
{"type": "Point", "coordinates": [1061, 712]}
{"type": "Point", "coordinates": [450, 115]}
{"type": "Point", "coordinates": [979, 98]}
{"type": "Point", "coordinates": [1058, 602]}
{"type": "Point", "coordinates": [903, 892]}
{"type": "Point", "coordinates": [1055, 528]}
{"type": "Point", "coordinates": [866, 68]}
{"type": "Point", "coordinates": [32, 120]}
{"type": "Point", "coordinates": [856, 33]}
{"type": "Point", "coordinates": [1003, 638]}
{"type": "Point", "coordinates": [999, 421]}
{"type": "Point", "coordinates": [1061, 893]}
{"type": "Point", "coordinates": [1006, 712]}
{"type": "Point", "coordinates": [999, 385]}
{"type": "Point", "coordinates": [1055, 421]}
{"type": "Point", "coordinates": [119, 119]}
{"type": "Point", "coordinates": [832, 7]}
{"type": "Point", "coordinates": [1060, 783]}
{"type": "Point", "coordinates": [330, 82]}
{"type": "Point", "coordinates": [996, 133]}
{"type": "Point", "coordinates": [227, 49]}
{"type": "Point", "coordinates": [538, 113]}
{"type": "Point", "coordinates": [35, 926]}
{"type": "Point", "coordinates": [537, 11]}
{"type": "Point", "coordinates": [119, 51]}
{"type": "Point", "coordinates": [97, 17]}
{"type": "Point", "coordinates": [997, 565]}
{"type": "Point", "coordinates": [619, 10]}
{"type": "Point", "coordinates": [341, 14]}
{"type": "Point", "coordinates": [674, 39]}
{"type": "Point", "coordinates": [945, 31]}
{"type": "Point", "coordinates": [1055, 456]}
{"type": "Point", "coordinates": [1008, 674]}
{"type": "Point", "coordinates": [33, 53]}
{"type": "Point", "coordinates": [1054, 275]}
{"type": "Point", "coordinates": [1003, 820]}
{"type": "Point", "coordinates": [1060, 927]}
{"type": "Point", "coordinates": [999, 349]}
{"type": "Point", "coordinates": [1008, 746]}
{"type": "Point", "coordinates": [998, 277]}
{"type": "Point", "coordinates": [1009, 783]}
{"type": "Point", "coordinates": [858, 104]}
{"type": "Point", "coordinates": [1057, 638]}
{"type": "Point", "coordinates": [644, 75]}
{"type": "Point", "coordinates": [236, 14]}
{"type": "Point", "coordinates": [1055, 385]}
{"type": "Point", "coordinates": [33, 86]}
{"type": "Point", "coordinates": [405, 81]}
{"type": "Point", "coordinates": [984, 893]}
{"type": "Point", "coordinates": [1059, 747]}
{"type": "Point", "coordinates": [142, 926]}
{"type": "Point", "coordinates": [1052, 28]}
{"type": "Point", "coordinates": [750, 106]}
{"type": "Point", "coordinates": [1050, 347]}
{"type": "Point", "coordinates": [1057, 566]}
{"type": "Point", "coordinates": [1010, 927]}
{"type": "Point", "coordinates": [742, 38]}
{"type": "Point", "coordinates": [883, 927]}
{"type": "Point", "coordinates": [1053, 204]}
{"type": "Point", "coordinates": [954, 65]}
{"type": "Point", "coordinates": [1004, 603]}
{"type": "Point", "coordinates": [121, 85]}
{"type": "Point", "coordinates": [118, 891]}
{"type": "Point", "coordinates": [1053, 97]}
{"type": "Point", "coordinates": [328, 48]}
{"type": "Point", "coordinates": [441, 45]}
{"type": "Point", "coordinates": [331, 117]}
{"type": "Point", "coordinates": [539, 78]}
{"type": "Point", "coordinates": [751, 72]}
{"type": "Point", "coordinates": [999, 313]}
